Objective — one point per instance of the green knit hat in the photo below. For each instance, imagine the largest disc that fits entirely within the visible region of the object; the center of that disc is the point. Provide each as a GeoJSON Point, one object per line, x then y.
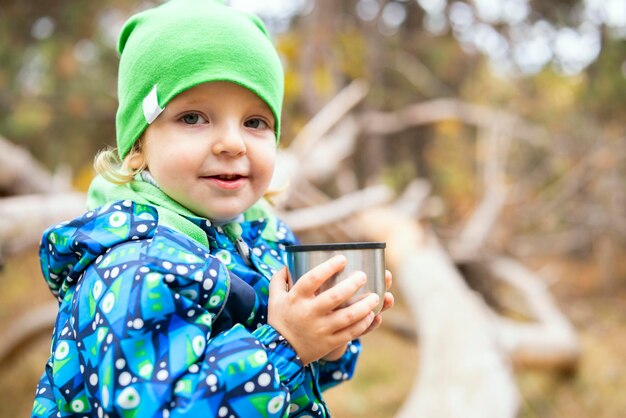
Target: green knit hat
{"type": "Point", "coordinates": [182, 43]}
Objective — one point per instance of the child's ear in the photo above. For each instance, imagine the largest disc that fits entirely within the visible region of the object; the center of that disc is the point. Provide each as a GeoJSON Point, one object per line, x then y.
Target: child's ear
{"type": "Point", "coordinates": [136, 161]}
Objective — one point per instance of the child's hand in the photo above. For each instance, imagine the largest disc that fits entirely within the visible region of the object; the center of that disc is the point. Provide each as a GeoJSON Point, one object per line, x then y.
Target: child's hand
{"type": "Point", "coordinates": [312, 323]}
{"type": "Point", "coordinates": [337, 353]}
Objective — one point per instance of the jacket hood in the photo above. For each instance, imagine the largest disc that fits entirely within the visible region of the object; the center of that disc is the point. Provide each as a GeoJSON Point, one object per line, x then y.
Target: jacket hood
{"type": "Point", "coordinates": [68, 248]}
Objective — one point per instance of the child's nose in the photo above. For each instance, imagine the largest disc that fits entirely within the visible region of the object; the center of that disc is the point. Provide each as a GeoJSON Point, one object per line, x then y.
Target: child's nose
{"type": "Point", "coordinates": [229, 140]}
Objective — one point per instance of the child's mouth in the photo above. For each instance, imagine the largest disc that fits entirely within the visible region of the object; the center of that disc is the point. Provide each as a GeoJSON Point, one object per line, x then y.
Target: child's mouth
{"type": "Point", "coordinates": [227, 181]}
{"type": "Point", "coordinates": [227, 177]}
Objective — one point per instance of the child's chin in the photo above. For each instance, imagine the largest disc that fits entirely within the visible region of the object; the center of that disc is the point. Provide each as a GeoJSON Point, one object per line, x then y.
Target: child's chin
{"type": "Point", "coordinates": [224, 216]}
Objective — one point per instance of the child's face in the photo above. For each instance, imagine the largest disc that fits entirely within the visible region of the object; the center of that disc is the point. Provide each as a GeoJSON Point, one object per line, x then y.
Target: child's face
{"type": "Point", "coordinates": [213, 149]}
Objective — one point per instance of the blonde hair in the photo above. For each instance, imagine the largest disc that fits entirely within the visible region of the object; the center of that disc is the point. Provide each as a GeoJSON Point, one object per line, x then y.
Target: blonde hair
{"type": "Point", "coordinates": [108, 164]}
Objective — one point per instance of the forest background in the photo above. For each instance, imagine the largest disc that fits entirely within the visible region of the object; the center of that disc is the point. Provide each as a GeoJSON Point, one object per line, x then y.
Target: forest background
{"type": "Point", "coordinates": [559, 65]}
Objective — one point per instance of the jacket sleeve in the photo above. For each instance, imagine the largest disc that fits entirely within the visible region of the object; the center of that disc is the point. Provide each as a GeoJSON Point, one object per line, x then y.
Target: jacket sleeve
{"type": "Point", "coordinates": [331, 373]}
{"type": "Point", "coordinates": [143, 327]}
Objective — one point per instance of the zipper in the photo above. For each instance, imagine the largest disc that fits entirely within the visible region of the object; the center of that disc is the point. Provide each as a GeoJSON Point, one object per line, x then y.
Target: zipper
{"type": "Point", "coordinates": [244, 251]}
{"type": "Point", "coordinates": [233, 232]}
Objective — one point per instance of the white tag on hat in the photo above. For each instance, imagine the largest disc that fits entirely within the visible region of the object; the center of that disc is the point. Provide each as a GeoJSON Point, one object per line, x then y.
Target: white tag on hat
{"type": "Point", "coordinates": [151, 107]}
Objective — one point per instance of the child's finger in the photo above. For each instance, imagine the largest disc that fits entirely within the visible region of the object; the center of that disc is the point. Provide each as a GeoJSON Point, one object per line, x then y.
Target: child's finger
{"type": "Point", "coordinates": [348, 316]}
{"type": "Point", "coordinates": [357, 329]}
{"type": "Point", "coordinates": [279, 283]}
{"type": "Point", "coordinates": [331, 298]}
{"type": "Point", "coordinates": [378, 319]}
{"type": "Point", "coordinates": [388, 302]}
{"type": "Point", "coordinates": [314, 278]}
{"type": "Point", "coordinates": [388, 279]}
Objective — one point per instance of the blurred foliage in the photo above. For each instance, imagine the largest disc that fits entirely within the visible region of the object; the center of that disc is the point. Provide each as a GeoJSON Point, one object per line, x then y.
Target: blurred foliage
{"type": "Point", "coordinates": [57, 78]}
{"type": "Point", "coordinates": [58, 72]}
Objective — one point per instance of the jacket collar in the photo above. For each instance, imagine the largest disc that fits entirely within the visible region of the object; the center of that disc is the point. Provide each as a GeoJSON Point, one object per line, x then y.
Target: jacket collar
{"type": "Point", "coordinates": [175, 215]}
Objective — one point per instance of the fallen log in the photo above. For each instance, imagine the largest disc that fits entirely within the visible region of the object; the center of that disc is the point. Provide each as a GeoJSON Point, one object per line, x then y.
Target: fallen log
{"type": "Point", "coordinates": [34, 323]}
{"type": "Point", "coordinates": [463, 371]}
{"type": "Point", "coordinates": [24, 218]}
{"type": "Point", "coordinates": [549, 341]}
{"type": "Point", "coordinates": [20, 173]}
{"type": "Point", "coordinates": [328, 117]}
{"type": "Point", "coordinates": [436, 110]}
{"type": "Point", "coordinates": [338, 209]}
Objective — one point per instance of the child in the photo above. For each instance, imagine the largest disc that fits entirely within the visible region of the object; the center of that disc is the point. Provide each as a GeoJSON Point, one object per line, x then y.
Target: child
{"type": "Point", "coordinates": [166, 303]}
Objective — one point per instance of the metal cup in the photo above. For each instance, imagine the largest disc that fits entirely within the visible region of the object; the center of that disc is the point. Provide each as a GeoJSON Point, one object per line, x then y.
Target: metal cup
{"type": "Point", "coordinates": [368, 257]}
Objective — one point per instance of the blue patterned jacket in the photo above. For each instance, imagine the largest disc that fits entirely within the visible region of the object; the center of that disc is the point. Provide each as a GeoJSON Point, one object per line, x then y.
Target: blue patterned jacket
{"type": "Point", "coordinates": [152, 324]}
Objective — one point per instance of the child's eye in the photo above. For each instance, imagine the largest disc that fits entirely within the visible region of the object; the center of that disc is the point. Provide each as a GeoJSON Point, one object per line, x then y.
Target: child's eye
{"type": "Point", "coordinates": [256, 123]}
{"type": "Point", "coordinates": [192, 119]}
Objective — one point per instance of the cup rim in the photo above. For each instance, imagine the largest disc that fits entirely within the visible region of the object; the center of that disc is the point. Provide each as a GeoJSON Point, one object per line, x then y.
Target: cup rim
{"type": "Point", "coordinates": [335, 246]}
